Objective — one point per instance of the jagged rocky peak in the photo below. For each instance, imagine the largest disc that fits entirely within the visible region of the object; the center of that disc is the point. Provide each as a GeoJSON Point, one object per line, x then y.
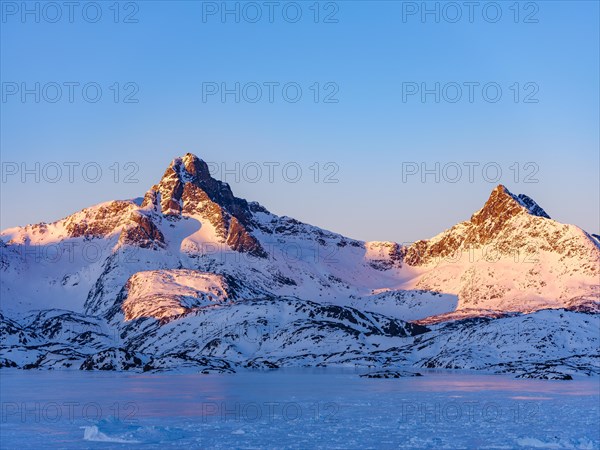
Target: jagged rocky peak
{"type": "Point", "coordinates": [186, 182]}
{"type": "Point", "coordinates": [492, 222]}
{"type": "Point", "coordinates": [191, 168]}
{"type": "Point", "coordinates": [169, 191]}
{"type": "Point", "coordinates": [187, 188]}
{"type": "Point", "coordinates": [503, 204]}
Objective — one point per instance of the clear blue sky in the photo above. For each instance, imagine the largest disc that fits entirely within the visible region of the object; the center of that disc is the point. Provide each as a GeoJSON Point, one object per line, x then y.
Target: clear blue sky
{"type": "Point", "coordinates": [368, 134]}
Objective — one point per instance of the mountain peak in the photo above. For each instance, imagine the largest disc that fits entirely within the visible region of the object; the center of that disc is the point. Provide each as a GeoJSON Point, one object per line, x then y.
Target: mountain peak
{"type": "Point", "coordinates": [183, 171]}
{"type": "Point", "coordinates": [188, 168]}
{"type": "Point", "coordinates": [187, 188]}
{"type": "Point", "coordinates": [483, 228]}
{"type": "Point", "coordinates": [504, 204]}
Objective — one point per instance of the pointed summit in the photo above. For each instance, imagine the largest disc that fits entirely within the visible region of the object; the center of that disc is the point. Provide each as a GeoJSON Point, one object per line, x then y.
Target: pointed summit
{"type": "Point", "coordinates": [186, 169]}
{"type": "Point", "coordinates": [189, 176]}
{"type": "Point", "coordinates": [189, 168]}
{"type": "Point", "coordinates": [187, 188]}
{"type": "Point", "coordinates": [503, 205]}
{"type": "Point", "coordinates": [499, 218]}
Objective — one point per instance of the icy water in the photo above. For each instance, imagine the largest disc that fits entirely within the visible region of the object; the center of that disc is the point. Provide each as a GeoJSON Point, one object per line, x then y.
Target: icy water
{"type": "Point", "coordinates": [295, 409]}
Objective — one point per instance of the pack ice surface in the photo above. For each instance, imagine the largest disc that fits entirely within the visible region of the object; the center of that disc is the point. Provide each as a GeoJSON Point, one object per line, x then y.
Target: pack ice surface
{"type": "Point", "coordinates": [296, 408]}
{"type": "Point", "coordinates": [192, 279]}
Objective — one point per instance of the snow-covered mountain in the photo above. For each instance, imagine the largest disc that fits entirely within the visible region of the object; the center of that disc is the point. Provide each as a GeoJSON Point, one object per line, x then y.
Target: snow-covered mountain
{"type": "Point", "coordinates": [510, 256]}
{"type": "Point", "coordinates": [183, 276]}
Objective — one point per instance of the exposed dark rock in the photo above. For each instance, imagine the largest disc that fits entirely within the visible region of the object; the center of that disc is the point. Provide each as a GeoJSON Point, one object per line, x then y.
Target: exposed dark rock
{"type": "Point", "coordinates": [391, 374]}
{"type": "Point", "coordinates": [144, 233]}
{"type": "Point", "coordinates": [112, 359]}
{"type": "Point", "coordinates": [240, 240]}
{"type": "Point", "coordinates": [482, 229]}
{"type": "Point", "coordinates": [545, 375]}
{"type": "Point", "coordinates": [7, 363]}
{"type": "Point", "coordinates": [99, 221]}
{"type": "Point", "coordinates": [260, 364]}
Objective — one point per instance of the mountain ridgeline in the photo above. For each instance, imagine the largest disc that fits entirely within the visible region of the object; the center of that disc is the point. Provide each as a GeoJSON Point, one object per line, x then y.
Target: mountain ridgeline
{"type": "Point", "coordinates": [182, 278]}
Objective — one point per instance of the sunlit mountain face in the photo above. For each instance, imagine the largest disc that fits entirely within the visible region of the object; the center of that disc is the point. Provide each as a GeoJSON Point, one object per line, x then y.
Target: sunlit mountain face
{"type": "Point", "coordinates": [190, 277]}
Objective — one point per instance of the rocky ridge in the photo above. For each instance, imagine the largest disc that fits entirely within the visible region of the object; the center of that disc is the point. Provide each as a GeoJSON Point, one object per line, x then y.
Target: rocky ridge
{"type": "Point", "coordinates": [181, 279]}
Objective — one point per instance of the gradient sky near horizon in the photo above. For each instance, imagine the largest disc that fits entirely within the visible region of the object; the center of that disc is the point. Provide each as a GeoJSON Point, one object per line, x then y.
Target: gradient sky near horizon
{"type": "Point", "coordinates": [362, 143]}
